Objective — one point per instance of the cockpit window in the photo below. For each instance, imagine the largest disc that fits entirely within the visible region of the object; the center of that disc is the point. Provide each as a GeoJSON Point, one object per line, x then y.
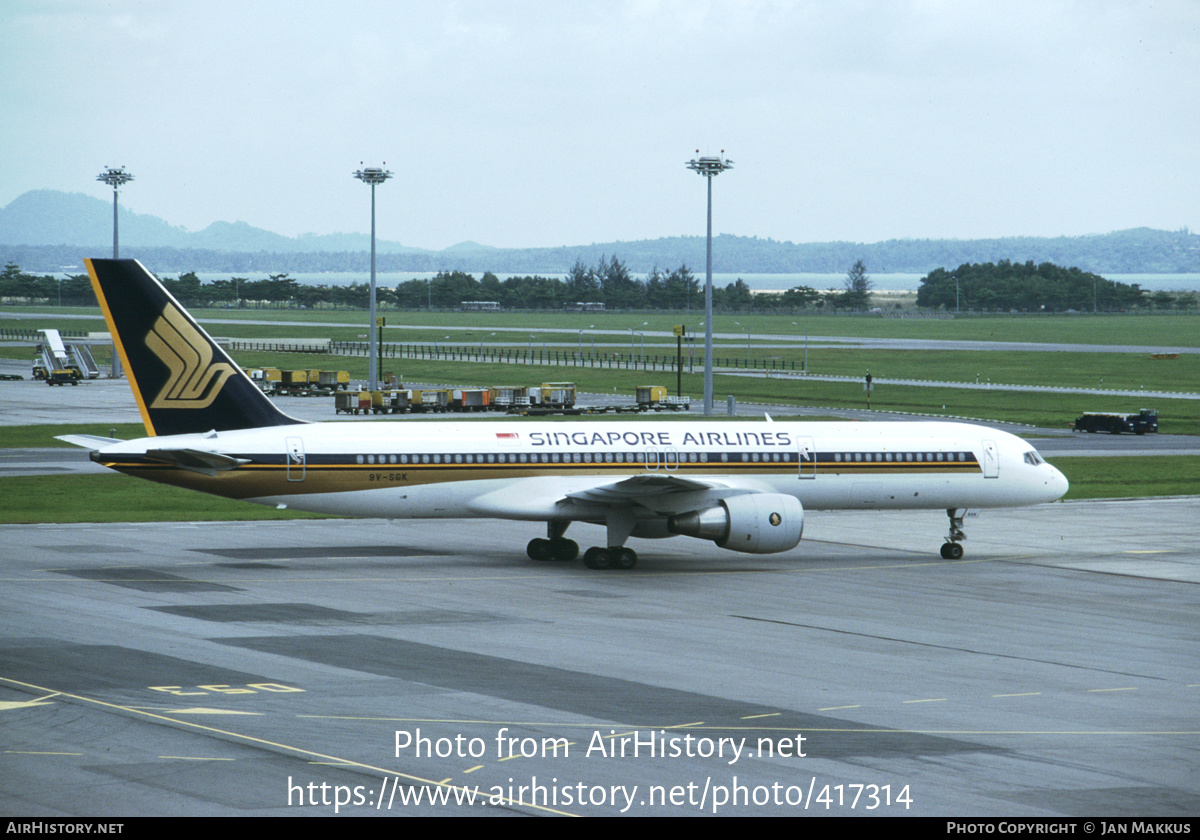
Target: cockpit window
{"type": "Point", "coordinates": [1033, 458]}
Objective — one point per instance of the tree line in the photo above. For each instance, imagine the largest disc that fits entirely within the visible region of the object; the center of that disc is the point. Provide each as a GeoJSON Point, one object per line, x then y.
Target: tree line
{"type": "Point", "coordinates": [1003, 286]}
{"type": "Point", "coordinates": [1045, 287]}
{"type": "Point", "coordinates": [609, 281]}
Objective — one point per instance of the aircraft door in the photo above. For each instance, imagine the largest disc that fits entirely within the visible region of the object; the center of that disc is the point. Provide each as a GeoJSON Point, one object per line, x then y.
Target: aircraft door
{"type": "Point", "coordinates": [667, 459]}
{"type": "Point", "coordinates": [991, 460]}
{"type": "Point", "coordinates": [295, 459]}
{"type": "Point", "coordinates": [808, 457]}
{"type": "Point", "coordinates": [671, 459]}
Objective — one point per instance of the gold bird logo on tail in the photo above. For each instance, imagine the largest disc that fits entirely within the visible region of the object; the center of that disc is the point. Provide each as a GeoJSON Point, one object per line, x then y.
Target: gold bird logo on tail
{"type": "Point", "coordinates": [195, 380]}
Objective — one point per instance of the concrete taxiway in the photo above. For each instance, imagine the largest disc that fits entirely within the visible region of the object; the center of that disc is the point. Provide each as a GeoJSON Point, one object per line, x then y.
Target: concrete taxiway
{"type": "Point", "coordinates": [245, 668]}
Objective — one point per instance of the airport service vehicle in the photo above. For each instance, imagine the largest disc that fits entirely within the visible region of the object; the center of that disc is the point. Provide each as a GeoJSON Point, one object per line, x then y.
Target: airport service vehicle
{"type": "Point", "coordinates": [1144, 421]}
{"type": "Point", "coordinates": [743, 485]}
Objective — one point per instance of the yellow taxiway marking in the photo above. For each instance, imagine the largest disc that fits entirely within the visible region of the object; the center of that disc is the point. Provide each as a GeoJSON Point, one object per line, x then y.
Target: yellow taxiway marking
{"type": "Point", "coordinates": [1099, 690]}
{"type": "Point", "coordinates": [768, 714]}
{"type": "Point", "coordinates": [864, 729]}
{"type": "Point", "coordinates": [196, 758]}
{"type": "Point", "coordinates": [37, 752]}
{"type": "Point", "coordinates": [927, 700]}
{"type": "Point", "coordinates": [263, 743]}
{"type": "Point", "coordinates": [201, 710]}
{"type": "Point", "coordinates": [9, 705]}
{"type": "Point", "coordinates": [836, 708]}
{"type": "Point", "coordinates": [1025, 694]}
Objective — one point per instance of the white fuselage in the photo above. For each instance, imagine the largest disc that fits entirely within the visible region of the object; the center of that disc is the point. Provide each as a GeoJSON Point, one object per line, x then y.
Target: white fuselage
{"type": "Point", "coordinates": [568, 470]}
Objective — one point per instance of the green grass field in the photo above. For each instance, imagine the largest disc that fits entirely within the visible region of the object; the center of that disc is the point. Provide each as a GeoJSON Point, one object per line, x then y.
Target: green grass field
{"type": "Point", "coordinates": [118, 498]}
{"type": "Point", "coordinates": [1149, 328]}
{"type": "Point", "coordinates": [1134, 476]}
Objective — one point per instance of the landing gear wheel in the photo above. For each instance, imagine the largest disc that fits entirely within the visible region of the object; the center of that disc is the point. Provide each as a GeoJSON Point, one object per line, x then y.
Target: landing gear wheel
{"type": "Point", "coordinates": [540, 550]}
{"type": "Point", "coordinates": [623, 558]}
{"type": "Point", "coordinates": [597, 558]}
{"type": "Point", "coordinates": [952, 551]}
{"type": "Point", "coordinates": [564, 551]}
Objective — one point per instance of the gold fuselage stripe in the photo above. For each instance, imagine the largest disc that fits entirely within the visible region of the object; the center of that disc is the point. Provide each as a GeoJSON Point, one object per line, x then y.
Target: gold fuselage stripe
{"type": "Point", "coordinates": [270, 479]}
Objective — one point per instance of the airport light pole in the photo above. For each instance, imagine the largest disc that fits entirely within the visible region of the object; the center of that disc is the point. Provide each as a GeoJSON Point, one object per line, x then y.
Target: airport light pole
{"type": "Point", "coordinates": [708, 167]}
{"type": "Point", "coordinates": [373, 176]}
{"type": "Point", "coordinates": [747, 329]}
{"type": "Point", "coordinates": [631, 344]}
{"type": "Point", "coordinates": [115, 178]}
{"type": "Point", "coordinates": [805, 368]}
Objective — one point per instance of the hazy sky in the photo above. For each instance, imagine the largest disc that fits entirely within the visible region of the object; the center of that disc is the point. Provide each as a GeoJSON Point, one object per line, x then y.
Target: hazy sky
{"type": "Point", "coordinates": [563, 123]}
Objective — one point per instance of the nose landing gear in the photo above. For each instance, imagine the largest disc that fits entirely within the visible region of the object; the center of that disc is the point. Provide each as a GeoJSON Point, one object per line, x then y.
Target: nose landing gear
{"type": "Point", "coordinates": [951, 550]}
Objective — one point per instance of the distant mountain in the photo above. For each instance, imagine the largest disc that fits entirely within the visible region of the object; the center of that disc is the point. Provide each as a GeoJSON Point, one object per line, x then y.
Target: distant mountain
{"type": "Point", "coordinates": [44, 230]}
{"type": "Point", "coordinates": [49, 217]}
{"type": "Point", "coordinates": [471, 246]}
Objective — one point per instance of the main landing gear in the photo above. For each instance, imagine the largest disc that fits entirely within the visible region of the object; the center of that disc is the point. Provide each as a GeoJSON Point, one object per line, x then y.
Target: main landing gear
{"type": "Point", "coordinates": [951, 550]}
{"type": "Point", "coordinates": [555, 546]}
{"type": "Point", "coordinates": [564, 551]}
{"type": "Point", "coordinates": [558, 548]}
{"type": "Point", "coordinates": [613, 557]}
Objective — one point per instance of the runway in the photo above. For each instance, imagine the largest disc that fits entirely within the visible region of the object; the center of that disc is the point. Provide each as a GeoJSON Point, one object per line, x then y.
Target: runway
{"type": "Point", "coordinates": [235, 669]}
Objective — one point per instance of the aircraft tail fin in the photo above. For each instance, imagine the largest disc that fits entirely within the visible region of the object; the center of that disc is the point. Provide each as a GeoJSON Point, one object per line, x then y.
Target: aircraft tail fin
{"type": "Point", "coordinates": [182, 380]}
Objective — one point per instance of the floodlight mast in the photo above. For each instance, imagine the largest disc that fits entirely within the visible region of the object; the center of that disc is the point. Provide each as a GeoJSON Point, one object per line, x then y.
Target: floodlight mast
{"type": "Point", "coordinates": [372, 176]}
{"type": "Point", "coordinates": [115, 178]}
{"type": "Point", "coordinates": [708, 167]}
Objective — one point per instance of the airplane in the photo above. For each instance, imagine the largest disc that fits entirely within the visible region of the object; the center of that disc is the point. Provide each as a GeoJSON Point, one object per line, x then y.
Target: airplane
{"type": "Point", "coordinates": [744, 485]}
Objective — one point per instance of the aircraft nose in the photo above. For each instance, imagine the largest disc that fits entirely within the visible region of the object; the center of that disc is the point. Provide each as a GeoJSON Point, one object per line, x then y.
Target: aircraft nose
{"type": "Point", "coordinates": [1057, 484]}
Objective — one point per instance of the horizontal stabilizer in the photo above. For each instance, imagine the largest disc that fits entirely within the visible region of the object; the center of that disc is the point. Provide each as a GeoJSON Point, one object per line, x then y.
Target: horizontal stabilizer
{"type": "Point", "coordinates": [196, 460]}
{"type": "Point", "coordinates": [88, 441]}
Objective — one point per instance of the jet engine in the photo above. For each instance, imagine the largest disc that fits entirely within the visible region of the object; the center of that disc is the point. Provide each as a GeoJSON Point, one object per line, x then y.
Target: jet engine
{"type": "Point", "coordinates": [756, 523]}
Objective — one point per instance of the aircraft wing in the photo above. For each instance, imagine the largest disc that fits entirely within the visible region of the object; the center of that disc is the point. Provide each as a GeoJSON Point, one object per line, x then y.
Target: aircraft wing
{"type": "Point", "coordinates": [586, 496]}
{"type": "Point", "coordinates": [635, 489]}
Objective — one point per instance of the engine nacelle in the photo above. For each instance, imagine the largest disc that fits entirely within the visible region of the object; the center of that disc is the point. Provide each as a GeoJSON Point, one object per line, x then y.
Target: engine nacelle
{"type": "Point", "coordinates": [755, 523]}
